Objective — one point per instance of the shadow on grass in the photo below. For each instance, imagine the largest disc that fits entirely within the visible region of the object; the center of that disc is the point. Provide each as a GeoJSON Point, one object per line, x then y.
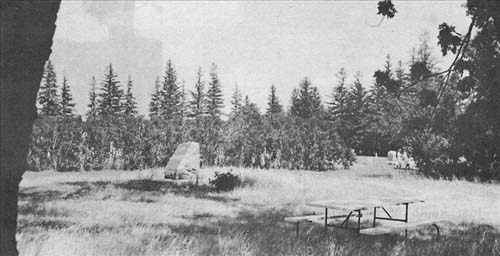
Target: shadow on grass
{"type": "Point", "coordinates": [165, 187]}
{"type": "Point", "coordinates": [265, 233]}
{"type": "Point", "coordinates": [255, 230]}
{"type": "Point", "coordinates": [145, 187]}
{"type": "Point", "coordinates": [39, 196]}
{"type": "Point", "coordinates": [38, 209]}
{"type": "Point", "coordinates": [46, 224]}
{"type": "Point", "coordinates": [82, 189]}
{"type": "Point", "coordinates": [34, 214]}
{"type": "Point", "coordinates": [382, 175]}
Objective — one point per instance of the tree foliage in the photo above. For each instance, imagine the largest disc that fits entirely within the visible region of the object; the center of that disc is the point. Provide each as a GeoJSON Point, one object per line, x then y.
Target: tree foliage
{"type": "Point", "coordinates": [339, 97]}
{"type": "Point", "coordinates": [154, 104]}
{"type": "Point", "coordinates": [215, 101]}
{"type": "Point", "coordinates": [170, 103]}
{"type": "Point", "coordinates": [93, 104]}
{"type": "Point", "coordinates": [448, 119]}
{"type": "Point", "coordinates": [306, 102]}
{"type": "Point", "coordinates": [130, 105]}
{"type": "Point", "coordinates": [273, 104]}
{"type": "Point", "coordinates": [236, 100]}
{"type": "Point", "coordinates": [67, 105]}
{"type": "Point", "coordinates": [110, 99]}
{"type": "Point", "coordinates": [386, 9]}
{"type": "Point", "coordinates": [48, 97]}
{"type": "Point", "coordinates": [198, 102]}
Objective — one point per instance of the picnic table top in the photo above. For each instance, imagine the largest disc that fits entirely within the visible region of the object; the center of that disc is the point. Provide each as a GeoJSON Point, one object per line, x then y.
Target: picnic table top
{"type": "Point", "coordinates": [363, 204]}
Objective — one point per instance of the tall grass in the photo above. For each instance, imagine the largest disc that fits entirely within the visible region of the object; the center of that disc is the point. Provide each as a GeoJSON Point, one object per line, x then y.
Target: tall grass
{"type": "Point", "coordinates": [137, 213]}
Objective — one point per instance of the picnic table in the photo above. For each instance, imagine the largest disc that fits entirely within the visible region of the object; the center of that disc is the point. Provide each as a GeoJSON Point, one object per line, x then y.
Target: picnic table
{"type": "Point", "coordinates": [353, 209]}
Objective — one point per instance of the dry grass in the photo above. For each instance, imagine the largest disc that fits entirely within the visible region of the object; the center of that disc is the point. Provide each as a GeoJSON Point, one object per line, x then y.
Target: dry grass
{"type": "Point", "coordinates": [135, 213]}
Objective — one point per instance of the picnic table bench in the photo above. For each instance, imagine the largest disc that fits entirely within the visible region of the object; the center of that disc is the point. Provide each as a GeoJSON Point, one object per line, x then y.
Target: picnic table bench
{"type": "Point", "coordinates": [354, 208]}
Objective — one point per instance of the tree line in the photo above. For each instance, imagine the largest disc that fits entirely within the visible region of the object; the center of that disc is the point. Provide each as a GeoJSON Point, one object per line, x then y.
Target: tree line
{"type": "Point", "coordinates": [407, 106]}
{"type": "Point", "coordinates": [114, 136]}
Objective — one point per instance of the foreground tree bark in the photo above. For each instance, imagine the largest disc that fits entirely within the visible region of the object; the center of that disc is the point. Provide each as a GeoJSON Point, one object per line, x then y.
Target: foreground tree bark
{"type": "Point", "coordinates": [27, 28]}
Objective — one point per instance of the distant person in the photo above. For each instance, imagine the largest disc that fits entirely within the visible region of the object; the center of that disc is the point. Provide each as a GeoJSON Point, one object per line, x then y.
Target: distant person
{"type": "Point", "coordinates": [398, 159]}
{"type": "Point", "coordinates": [405, 160]}
{"type": "Point", "coordinates": [262, 161]}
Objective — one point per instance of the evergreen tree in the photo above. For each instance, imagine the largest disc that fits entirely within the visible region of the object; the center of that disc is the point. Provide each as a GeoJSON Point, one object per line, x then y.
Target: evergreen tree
{"type": "Point", "coordinates": [386, 78]}
{"type": "Point", "coordinates": [400, 72]}
{"type": "Point", "coordinates": [93, 99]}
{"type": "Point", "coordinates": [183, 107]}
{"type": "Point", "coordinates": [251, 114]}
{"type": "Point", "coordinates": [316, 106]}
{"type": "Point", "coordinates": [253, 123]}
{"type": "Point", "coordinates": [130, 105]}
{"type": "Point", "coordinates": [385, 86]}
{"type": "Point", "coordinates": [353, 126]}
{"type": "Point", "coordinates": [197, 104]}
{"type": "Point", "coordinates": [337, 107]}
{"type": "Point", "coordinates": [422, 63]}
{"type": "Point", "coordinates": [357, 96]}
{"type": "Point", "coordinates": [306, 101]}
{"type": "Point", "coordinates": [213, 126]}
{"type": "Point", "coordinates": [67, 104]}
{"type": "Point", "coordinates": [48, 97]}
{"type": "Point", "coordinates": [273, 104]}
{"type": "Point", "coordinates": [111, 96]}
{"type": "Point", "coordinates": [171, 95]}
{"type": "Point", "coordinates": [478, 134]}
{"type": "Point", "coordinates": [214, 95]}
{"type": "Point", "coordinates": [236, 100]}
{"type": "Point", "coordinates": [155, 103]}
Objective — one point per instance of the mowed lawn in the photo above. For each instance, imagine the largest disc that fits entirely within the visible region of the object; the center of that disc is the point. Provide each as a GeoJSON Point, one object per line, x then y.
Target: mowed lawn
{"type": "Point", "coordinates": [137, 213]}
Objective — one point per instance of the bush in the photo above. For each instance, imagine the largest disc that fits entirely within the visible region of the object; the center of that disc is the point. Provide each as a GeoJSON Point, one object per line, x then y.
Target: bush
{"type": "Point", "coordinates": [126, 142]}
{"type": "Point", "coordinates": [225, 181]}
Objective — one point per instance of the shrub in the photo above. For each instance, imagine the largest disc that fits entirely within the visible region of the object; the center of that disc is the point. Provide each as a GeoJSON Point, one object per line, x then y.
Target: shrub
{"type": "Point", "coordinates": [225, 181]}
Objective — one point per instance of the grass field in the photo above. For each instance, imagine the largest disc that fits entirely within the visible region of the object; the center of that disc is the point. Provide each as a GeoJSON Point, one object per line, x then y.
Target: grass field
{"type": "Point", "coordinates": [134, 213]}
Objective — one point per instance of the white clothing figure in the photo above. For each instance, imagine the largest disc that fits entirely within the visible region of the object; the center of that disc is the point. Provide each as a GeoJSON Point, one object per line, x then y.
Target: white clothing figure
{"type": "Point", "coordinates": [398, 159]}
{"type": "Point", "coordinates": [405, 161]}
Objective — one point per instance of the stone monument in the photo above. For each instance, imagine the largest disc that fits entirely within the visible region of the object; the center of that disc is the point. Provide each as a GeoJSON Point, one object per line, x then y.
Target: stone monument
{"type": "Point", "coordinates": [185, 162]}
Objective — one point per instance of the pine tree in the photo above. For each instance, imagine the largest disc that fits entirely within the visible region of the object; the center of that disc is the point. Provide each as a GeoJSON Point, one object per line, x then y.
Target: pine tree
{"type": "Point", "coordinates": [236, 100]}
{"type": "Point", "coordinates": [111, 97]}
{"type": "Point", "coordinates": [67, 104]}
{"type": "Point", "coordinates": [130, 105]}
{"type": "Point", "coordinates": [306, 101]}
{"type": "Point", "coordinates": [171, 95]}
{"type": "Point", "coordinates": [183, 100]}
{"type": "Point", "coordinates": [315, 98]}
{"type": "Point", "coordinates": [214, 95]}
{"type": "Point", "coordinates": [154, 105]}
{"type": "Point", "coordinates": [339, 96]}
{"type": "Point", "coordinates": [251, 115]}
{"type": "Point", "coordinates": [385, 79]}
{"type": "Point", "coordinates": [92, 113]}
{"type": "Point", "coordinates": [197, 105]}
{"type": "Point", "coordinates": [48, 97]}
{"type": "Point", "coordinates": [273, 104]}
{"type": "Point", "coordinates": [214, 123]}
{"type": "Point", "coordinates": [422, 64]}
{"type": "Point", "coordinates": [357, 96]}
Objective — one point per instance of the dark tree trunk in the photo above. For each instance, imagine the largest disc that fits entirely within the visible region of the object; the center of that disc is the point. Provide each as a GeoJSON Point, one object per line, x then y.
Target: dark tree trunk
{"type": "Point", "coordinates": [26, 34]}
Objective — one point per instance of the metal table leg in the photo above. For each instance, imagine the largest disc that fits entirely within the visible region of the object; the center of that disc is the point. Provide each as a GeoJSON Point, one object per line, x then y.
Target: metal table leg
{"type": "Point", "coordinates": [326, 220]}
{"type": "Point", "coordinates": [406, 221]}
{"type": "Point", "coordinates": [359, 220]}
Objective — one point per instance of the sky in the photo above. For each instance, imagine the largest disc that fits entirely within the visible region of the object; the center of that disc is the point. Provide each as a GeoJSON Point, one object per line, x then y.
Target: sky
{"type": "Point", "coordinates": [255, 44]}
